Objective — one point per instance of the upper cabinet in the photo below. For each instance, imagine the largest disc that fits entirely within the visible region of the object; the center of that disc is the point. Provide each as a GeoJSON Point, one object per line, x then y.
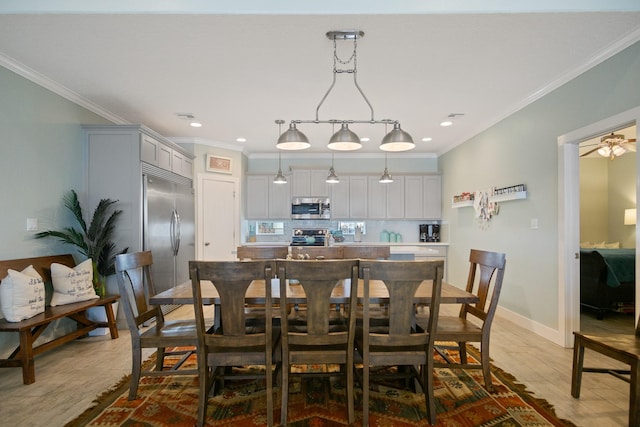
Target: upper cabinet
{"type": "Point", "coordinates": [266, 200]}
{"type": "Point", "coordinates": [354, 197]}
{"type": "Point", "coordinates": [423, 197]}
{"type": "Point", "coordinates": [165, 155]}
{"type": "Point", "coordinates": [309, 182]}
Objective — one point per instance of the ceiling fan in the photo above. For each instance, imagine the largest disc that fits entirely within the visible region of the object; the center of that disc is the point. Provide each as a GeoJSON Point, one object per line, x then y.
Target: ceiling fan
{"type": "Point", "coordinates": [613, 146]}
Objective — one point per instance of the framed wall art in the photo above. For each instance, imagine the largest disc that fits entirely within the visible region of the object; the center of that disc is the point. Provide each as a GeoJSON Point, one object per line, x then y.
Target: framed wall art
{"type": "Point", "coordinates": [218, 164]}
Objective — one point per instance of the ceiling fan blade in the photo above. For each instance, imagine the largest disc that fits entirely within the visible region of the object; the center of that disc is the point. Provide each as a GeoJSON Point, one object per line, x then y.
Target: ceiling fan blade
{"type": "Point", "coordinates": [629, 147]}
{"type": "Point", "coordinates": [590, 151]}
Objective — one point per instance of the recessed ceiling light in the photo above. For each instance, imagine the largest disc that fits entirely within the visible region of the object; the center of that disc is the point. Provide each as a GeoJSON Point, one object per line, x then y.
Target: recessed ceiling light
{"type": "Point", "coordinates": [446, 123]}
{"type": "Point", "coordinates": [195, 125]}
{"type": "Point", "coordinates": [241, 139]}
{"type": "Point", "coordinates": [427, 139]}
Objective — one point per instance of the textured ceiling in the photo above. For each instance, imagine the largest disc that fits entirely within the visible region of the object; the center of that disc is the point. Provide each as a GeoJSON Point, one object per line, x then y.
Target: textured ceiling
{"type": "Point", "coordinates": [238, 73]}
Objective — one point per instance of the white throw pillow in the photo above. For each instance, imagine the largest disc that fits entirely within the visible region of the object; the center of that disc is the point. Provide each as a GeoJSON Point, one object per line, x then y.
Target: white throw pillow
{"type": "Point", "coordinates": [72, 284]}
{"type": "Point", "coordinates": [22, 294]}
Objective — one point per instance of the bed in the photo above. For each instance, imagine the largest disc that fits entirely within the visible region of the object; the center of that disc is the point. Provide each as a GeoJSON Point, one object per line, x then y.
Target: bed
{"type": "Point", "coordinates": [607, 279]}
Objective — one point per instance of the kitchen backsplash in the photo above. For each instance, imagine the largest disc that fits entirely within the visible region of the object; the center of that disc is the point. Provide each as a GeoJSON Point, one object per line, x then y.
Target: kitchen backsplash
{"type": "Point", "coordinates": [409, 230]}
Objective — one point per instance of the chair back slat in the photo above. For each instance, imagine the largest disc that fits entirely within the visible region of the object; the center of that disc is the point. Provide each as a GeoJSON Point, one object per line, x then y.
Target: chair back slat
{"type": "Point", "coordinates": [261, 252]}
{"type": "Point", "coordinates": [231, 279]}
{"type": "Point", "coordinates": [136, 286]}
{"type": "Point", "coordinates": [402, 279]}
{"type": "Point", "coordinates": [488, 268]}
{"type": "Point", "coordinates": [318, 279]}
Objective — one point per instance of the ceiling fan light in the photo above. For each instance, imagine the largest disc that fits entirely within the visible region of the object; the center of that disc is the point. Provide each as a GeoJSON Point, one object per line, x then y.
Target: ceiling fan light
{"type": "Point", "coordinates": [397, 140]}
{"type": "Point", "coordinates": [344, 140]}
{"type": "Point", "coordinates": [618, 150]}
{"type": "Point", "coordinates": [604, 151]}
{"type": "Point", "coordinates": [293, 139]}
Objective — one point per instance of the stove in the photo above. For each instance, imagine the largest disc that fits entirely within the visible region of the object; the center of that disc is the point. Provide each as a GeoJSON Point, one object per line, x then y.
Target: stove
{"type": "Point", "coordinates": [308, 236]}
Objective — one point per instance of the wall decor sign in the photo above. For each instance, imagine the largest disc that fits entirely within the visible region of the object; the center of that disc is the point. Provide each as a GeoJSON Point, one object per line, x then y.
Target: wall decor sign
{"type": "Point", "coordinates": [218, 164]}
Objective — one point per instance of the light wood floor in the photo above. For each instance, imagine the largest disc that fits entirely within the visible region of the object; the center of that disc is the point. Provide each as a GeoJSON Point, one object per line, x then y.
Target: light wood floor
{"type": "Point", "coordinates": [69, 378]}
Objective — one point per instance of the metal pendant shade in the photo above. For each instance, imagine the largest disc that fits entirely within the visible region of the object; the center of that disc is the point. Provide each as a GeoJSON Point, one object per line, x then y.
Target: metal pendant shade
{"type": "Point", "coordinates": [397, 140]}
{"type": "Point", "coordinates": [332, 178]}
{"type": "Point", "coordinates": [386, 177]}
{"type": "Point", "coordinates": [344, 140]}
{"type": "Point", "coordinates": [293, 139]}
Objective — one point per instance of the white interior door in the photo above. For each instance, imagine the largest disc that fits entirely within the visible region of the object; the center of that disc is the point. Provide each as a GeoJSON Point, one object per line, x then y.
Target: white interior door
{"type": "Point", "coordinates": [219, 217]}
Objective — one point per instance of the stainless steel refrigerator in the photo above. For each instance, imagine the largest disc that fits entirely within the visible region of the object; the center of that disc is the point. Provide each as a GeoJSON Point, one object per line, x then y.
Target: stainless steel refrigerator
{"type": "Point", "coordinates": [168, 229]}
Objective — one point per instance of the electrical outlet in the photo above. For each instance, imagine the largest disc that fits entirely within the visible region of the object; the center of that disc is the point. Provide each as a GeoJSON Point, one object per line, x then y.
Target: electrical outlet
{"type": "Point", "coordinates": [32, 224]}
{"type": "Point", "coordinates": [534, 223]}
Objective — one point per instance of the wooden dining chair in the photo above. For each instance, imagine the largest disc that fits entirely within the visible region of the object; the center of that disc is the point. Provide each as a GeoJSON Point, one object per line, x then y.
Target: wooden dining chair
{"type": "Point", "coordinates": [486, 272]}
{"type": "Point", "coordinates": [261, 252]}
{"type": "Point", "coordinates": [624, 348]}
{"type": "Point", "coordinates": [135, 283]}
{"type": "Point", "coordinates": [401, 342]}
{"type": "Point", "coordinates": [367, 252]}
{"type": "Point", "coordinates": [320, 339]}
{"type": "Point", "coordinates": [234, 341]}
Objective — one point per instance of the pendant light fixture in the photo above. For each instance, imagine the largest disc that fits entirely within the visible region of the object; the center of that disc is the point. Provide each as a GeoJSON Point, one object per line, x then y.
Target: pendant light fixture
{"type": "Point", "coordinates": [332, 178]}
{"type": "Point", "coordinates": [345, 139]}
{"type": "Point", "coordinates": [386, 177]}
{"type": "Point", "coordinates": [280, 178]}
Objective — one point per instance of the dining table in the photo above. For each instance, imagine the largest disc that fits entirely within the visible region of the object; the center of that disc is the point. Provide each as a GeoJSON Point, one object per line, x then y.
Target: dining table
{"type": "Point", "coordinates": [182, 294]}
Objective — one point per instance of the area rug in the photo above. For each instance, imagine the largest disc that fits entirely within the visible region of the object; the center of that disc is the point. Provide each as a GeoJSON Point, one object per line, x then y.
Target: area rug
{"type": "Point", "coordinates": [461, 401]}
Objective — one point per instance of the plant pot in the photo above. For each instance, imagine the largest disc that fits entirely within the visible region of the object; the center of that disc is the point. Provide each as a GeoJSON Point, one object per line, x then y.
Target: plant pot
{"type": "Point", "coordinates": [98, 314]}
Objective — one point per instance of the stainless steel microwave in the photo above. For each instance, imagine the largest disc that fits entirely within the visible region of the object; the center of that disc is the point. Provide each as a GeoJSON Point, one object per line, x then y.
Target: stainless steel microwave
{"type": "Point", "coordinates": [310, 208]}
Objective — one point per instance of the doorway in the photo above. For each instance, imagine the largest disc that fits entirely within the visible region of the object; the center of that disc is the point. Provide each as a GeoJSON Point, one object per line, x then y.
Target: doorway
{"type": "Point", "coordinates": [569, 217]}
{"type": "Point", "coordinates": [218, 217]}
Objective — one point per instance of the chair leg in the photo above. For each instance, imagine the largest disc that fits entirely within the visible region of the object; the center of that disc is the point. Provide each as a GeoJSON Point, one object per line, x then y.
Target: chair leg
{"type": "Point", "coordinates": [634, 395]}
{"type": "Point", "coordinates": [427, 380]}
{"type": "Point", "coordinates": [350, 393]}
{"type": "Point", "coordinates": [159, 358]}
{"type": "Point", "coordinates": [576, 373]}
{"type": "Point", "coordinates": [269, 381]}
{"type": "Point", "coordinates": [486, 364]}
{"type": "Point", "coordinates": [365, 390]}
{"type": "Point", "coordinates": [285, 391]}
{"type": "Point", "coordinates": [136, 367]}
{"type": "Point", "coordinates": [204, 383]}
{"type": "Point", "coordinates": [462, 348]}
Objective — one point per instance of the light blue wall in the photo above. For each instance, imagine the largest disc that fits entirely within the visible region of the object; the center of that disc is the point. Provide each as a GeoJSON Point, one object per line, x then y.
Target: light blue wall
{"type": "Point", "coordinates": [41, 159]}
{"type": "Point", "coordinates": [523, 149]}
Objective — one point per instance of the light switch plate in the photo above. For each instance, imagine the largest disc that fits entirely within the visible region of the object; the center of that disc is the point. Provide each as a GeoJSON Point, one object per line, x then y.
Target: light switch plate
{"type": "Point", "coordinates": [32, 224]}
{"type": "Point", "coordinates": [534, 223]}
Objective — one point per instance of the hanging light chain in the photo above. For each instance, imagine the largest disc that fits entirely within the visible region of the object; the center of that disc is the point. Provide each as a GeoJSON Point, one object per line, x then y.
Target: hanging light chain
{"type": "Point", "coordinates": [353, 58]}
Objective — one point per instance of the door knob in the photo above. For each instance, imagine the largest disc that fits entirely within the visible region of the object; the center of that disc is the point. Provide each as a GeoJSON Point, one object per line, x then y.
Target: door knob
{"type": "Point", "coordinates": [207, 243]}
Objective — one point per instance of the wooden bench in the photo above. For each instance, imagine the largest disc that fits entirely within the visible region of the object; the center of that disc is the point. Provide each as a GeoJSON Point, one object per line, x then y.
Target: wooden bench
{"type": "Point", "coordinates": [30, 329]}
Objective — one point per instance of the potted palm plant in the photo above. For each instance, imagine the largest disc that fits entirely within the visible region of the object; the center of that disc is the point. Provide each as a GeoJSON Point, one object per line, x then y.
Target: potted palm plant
{"type": "Point", "coordinates": [96, 241]}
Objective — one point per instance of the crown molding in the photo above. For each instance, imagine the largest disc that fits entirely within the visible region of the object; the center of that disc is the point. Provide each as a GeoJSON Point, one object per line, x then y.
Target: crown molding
{"type": "Point", "coordinates": [55, 87]}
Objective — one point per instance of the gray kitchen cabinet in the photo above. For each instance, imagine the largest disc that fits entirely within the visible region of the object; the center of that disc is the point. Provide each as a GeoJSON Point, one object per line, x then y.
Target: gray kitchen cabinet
{"type": "Point", "coordinates": [279, 200]}
{"type": "Point", "coordinates": [340, 199]}
{"type": "Point", "coordinates": [432, 203]}
{"type": "Point", "coordinates": [395, 198]}
{"type": "Point", "coordinates": [257, 197]}
{"type": "Point", "coordinates": [309, 182]}
{"type": "Point", "coordinates": [385, 201]}
{"type": "Point", "coordinates": [423, 197]}
{"type": "Point", "coordinates": [358, 197]}
{"type": "Point", "coordinates": [414, 197]}
{"type": "Point", "coordinates": [134, 165]}
{"type": "Point", "coordinates": [376, 198]}
{"type": "Point", "coordinates": [266, 200]}
{"type": "Point", "coordinates": [165, 155]}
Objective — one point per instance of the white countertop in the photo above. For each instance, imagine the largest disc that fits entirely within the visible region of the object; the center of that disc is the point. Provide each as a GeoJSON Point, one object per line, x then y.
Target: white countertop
{"type": "Point", "coordinates": [355, 244]}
